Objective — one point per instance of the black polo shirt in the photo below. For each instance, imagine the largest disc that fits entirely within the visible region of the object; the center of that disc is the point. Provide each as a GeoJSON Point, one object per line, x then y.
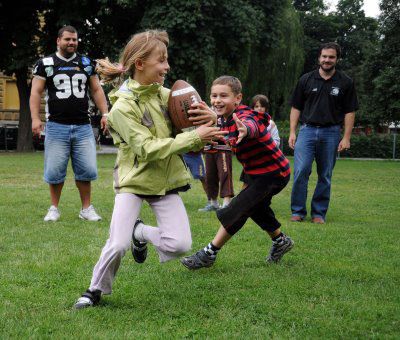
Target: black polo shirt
{"type": "Point", "coordinates": [324, 102]}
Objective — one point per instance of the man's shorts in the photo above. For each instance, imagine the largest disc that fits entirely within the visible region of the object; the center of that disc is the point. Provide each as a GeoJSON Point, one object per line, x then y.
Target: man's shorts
{"type": "Point", "coordinates": [63, 141]}
{"type": "Point", "coordinates": [195, 163]}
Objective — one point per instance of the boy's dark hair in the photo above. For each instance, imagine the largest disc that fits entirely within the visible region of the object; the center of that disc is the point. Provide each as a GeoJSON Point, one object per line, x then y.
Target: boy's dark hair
{"type": "Point", "coordinates": [233, 82]}
{"type": "Point", "coordinates": [264, 101]}
{"type": "Point", "coordinates": [69, 29]}
{"type": "Point", "coordinates": [332, 45]}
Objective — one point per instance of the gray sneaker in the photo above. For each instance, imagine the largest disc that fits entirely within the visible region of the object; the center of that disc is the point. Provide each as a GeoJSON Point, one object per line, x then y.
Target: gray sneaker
{"type": "Point", "coordinates": [209, 207]}
{"type": "Point", "coordinates": [199, 260]}
{"type": "Point", "coordinates": [53, 214]}
{"type": "Point", "coordinates": [89, 214]}
{"type": "Point", "coordinates": [278, 250]}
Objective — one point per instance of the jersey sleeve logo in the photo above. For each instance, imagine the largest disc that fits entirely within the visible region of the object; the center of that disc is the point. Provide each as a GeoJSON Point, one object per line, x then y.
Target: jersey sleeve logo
{"type": "Point", "coordinates": [89, 70]}
{"type": "Point", "coordinates": [48, 61]}
{"type": "Point", "coordinates": [49, 71]}
{"type": "Point", "coordinates": [85, 61]}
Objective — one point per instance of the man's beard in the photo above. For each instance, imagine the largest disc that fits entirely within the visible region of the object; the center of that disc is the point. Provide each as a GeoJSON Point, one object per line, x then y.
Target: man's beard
{"type": "Point", "coordinates": [327, 68]}
{"type": "Point", "coordinates": [66, 52]}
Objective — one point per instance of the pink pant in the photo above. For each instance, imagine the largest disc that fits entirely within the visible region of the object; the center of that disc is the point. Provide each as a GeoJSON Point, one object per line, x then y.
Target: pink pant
{"type": "Point", "coordinates": [171, 238]}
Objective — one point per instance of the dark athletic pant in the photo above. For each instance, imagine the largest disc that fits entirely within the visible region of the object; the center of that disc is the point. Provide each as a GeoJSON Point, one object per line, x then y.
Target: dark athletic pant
{"type": "Point", "coordinates": [253, 202]}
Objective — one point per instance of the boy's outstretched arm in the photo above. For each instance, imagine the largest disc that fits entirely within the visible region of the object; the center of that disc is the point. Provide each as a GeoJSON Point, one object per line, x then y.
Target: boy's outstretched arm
{"type": "Point", "coordinates": [242, 129]}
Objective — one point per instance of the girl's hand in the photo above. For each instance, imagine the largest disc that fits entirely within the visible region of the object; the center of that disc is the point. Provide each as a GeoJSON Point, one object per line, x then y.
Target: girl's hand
{"type": "Point", "coordinates": [201, 114]}
{"type": "Point", "coordinates": [208, 133]}
{"type": "Point", "coordinates": [242, 129]}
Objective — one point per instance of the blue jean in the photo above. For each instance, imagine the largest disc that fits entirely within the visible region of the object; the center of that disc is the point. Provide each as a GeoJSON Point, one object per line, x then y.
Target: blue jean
{"type": "Point", "coordinates": [195, 164]}
{"type": "Point", "coordinates": [63, 141]}
{"type": "Point", "coordinates": [319, 143]}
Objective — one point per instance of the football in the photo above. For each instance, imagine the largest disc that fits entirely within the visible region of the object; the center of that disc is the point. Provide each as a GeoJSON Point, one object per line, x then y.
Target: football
{"type": "Point", "coordinates": [181, 97]}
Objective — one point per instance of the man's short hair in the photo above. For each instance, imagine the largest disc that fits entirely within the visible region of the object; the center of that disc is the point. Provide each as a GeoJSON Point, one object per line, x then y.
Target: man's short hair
{"type": "Point", "coordinates": [70, 29]}
{"type": "Point", "coordinates": [330, 45]}
{"type": "Point", "coordinates": [233, 82]}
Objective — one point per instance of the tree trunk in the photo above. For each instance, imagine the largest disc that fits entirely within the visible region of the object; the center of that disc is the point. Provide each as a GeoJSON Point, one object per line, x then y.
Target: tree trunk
{"type": "Point", "coordinates": [25, 123]}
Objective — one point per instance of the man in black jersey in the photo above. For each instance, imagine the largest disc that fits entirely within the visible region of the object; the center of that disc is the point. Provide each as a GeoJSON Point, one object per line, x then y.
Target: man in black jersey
{"type": "Point", "coordinates": [323, 101]}
{"type": "Point", "coordinates": [66, 76]}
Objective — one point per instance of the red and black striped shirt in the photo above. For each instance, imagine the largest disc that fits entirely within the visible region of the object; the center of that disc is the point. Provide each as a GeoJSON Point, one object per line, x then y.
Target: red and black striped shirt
{"type": "Point", "coordinates": [257, 152]}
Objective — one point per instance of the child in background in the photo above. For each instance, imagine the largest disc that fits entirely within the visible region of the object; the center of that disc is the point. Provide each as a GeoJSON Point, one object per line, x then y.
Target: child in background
{"type": "Point", "coordinates": [218, 159]}
{"type": "Point", "coordinates": [260, 103]}
{"type": "Point", "coordinates": [148, 166]}
{"type": "Point", "coordinates": [266, 168]}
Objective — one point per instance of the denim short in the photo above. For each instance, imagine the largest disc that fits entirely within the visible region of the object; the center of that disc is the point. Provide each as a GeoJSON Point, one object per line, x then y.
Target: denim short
{"type": "Point", "coordinates": [195, 163]}
{"type": "Point", "coordinates": [63, 141]}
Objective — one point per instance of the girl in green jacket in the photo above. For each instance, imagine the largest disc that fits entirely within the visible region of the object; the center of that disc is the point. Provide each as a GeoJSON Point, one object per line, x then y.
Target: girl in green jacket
{"type": "Point", "coordinates": [148, 166]}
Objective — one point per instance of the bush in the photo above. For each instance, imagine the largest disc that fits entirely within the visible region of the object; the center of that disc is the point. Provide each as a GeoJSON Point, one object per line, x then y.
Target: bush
{"type": "Point", "coordinates": [373, 146]}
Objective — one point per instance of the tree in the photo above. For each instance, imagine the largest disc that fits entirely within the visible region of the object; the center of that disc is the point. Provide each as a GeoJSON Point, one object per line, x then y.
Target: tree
{"type": "Point", "coordinates": [37, 23]}
{"type": "Point", "coordinates": [276, 65]}
{"type": "Point", "coordinates": [383, 67]}
{"type": "Point", "coordinates": [356, 35]}
{"type": "Point", "coordinates": [318, 27]}
{"type": "Point", "coordinates": [17, 53]}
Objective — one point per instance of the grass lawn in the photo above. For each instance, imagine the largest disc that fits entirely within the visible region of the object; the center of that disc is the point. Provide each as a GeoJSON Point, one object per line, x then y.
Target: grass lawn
{"type": "Point", "coordinates": [342, 279]}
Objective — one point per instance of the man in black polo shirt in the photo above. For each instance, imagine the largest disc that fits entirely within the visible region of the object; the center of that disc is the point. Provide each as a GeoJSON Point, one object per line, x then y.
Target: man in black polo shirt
{"type": "Point", "coordinates": [322, 101]}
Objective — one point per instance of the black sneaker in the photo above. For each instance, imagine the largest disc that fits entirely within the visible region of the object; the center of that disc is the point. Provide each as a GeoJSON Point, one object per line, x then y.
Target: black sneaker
{"type": "Point", "coordinates": [199, 260]}
{"type": "Point", "coordinates": [279, 249]}
{"type": "Point", "coordinates": [88, 299]}
{"type": "Point", "coordinates": [139, 249]}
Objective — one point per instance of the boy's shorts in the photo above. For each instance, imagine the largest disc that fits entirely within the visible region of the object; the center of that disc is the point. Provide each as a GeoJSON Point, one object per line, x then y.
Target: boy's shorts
{"type": "Point", "coordinates": [195, 163]}
{"type": "Point", "coordinates": [63, 141]}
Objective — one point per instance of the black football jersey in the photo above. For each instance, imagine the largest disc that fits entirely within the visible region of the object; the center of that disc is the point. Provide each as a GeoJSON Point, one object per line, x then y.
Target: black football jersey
{"type": "Point", "coordinates": [67, 83]}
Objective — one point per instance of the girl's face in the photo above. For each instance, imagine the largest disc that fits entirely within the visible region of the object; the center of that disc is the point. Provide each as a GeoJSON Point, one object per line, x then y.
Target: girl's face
{"type": "Point", "coordinates": [224, 100]}
{"type": "Point", "coordinates": [153, 69]}
{"type": "Point", "coordinates": [259, 108]}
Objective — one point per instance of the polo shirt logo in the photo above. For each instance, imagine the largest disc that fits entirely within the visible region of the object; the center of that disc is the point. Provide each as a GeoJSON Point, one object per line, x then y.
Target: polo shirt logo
{"type": "Point", "coordinates": [335, 91]}
{"type": "Point", "coordinates": [315, 89]}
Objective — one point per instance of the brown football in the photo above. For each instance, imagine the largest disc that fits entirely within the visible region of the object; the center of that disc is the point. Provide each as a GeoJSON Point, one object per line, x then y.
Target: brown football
{"type": "Point", "coordinates": [182, 95]}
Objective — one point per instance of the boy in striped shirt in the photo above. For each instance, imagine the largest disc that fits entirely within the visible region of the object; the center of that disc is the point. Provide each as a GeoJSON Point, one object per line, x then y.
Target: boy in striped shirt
{"type": "Point", "coordinates": [266, 170]}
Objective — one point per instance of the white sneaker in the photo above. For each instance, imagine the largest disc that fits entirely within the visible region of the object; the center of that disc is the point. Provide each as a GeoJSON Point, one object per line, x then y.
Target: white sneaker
{"type": "Point", "coordinates": [89, 214]}
{"type": "Point", "coordinates": [52, 214]}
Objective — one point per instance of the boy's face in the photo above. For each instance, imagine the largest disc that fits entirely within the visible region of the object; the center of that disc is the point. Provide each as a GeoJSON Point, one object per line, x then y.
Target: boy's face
{"type": "Point", "coordinates": [224, 100]}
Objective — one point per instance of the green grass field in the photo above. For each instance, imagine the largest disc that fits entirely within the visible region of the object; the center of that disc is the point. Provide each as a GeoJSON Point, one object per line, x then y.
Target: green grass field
{"type": "Point", "coordinates": [342, 279]}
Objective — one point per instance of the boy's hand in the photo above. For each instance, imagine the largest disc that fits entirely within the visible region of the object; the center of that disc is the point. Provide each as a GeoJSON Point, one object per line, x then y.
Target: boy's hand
{"type": "Point", "coordinates": [208, 133]}
{"type": "Point", "coordinates": [200, 114]}
{"type": "Point", "coordinates": [242, 129]}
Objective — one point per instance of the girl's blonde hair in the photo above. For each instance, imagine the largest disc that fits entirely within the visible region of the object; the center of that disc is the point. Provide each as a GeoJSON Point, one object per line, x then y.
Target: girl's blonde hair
{"type": "Point", "coordinates": [139, 46]}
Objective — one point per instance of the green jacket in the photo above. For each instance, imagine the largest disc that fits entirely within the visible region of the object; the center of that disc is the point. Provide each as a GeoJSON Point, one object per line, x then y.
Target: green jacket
{"type": "Point", "coordinates": [148, 161]}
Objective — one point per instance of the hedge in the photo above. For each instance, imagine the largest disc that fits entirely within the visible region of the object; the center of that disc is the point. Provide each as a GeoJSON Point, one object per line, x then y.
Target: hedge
{"type": "Point", "coordinates": [372, 146]}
